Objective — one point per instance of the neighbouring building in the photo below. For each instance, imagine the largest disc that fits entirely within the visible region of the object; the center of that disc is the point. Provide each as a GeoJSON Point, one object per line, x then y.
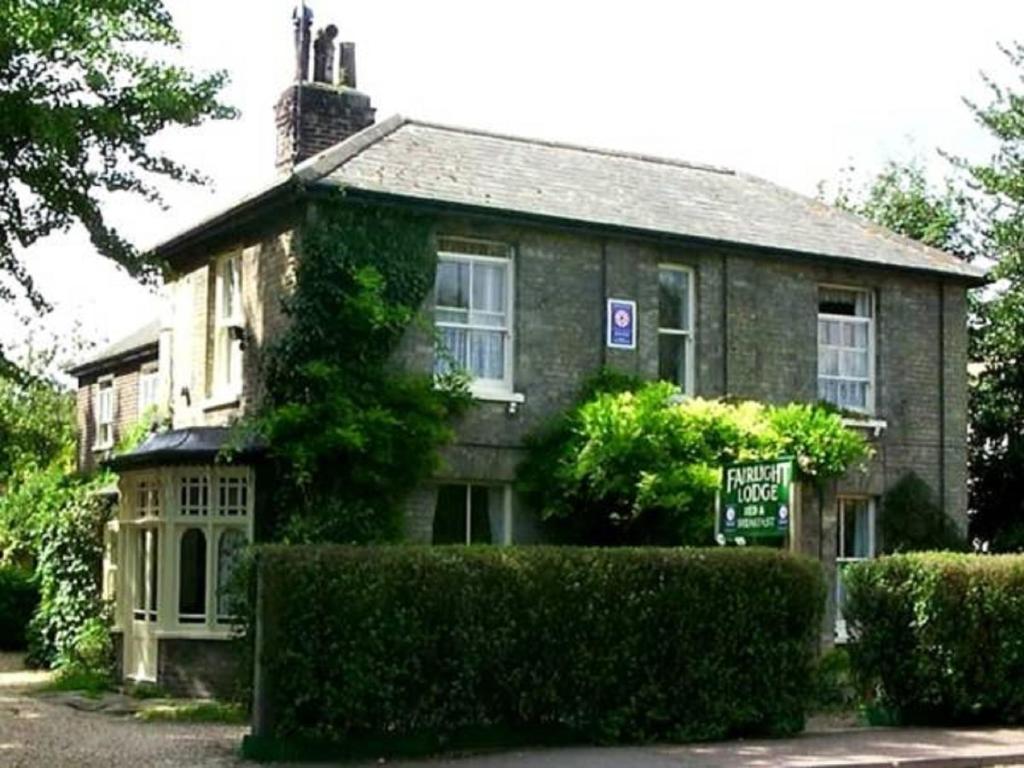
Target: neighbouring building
{"type": "Point", "coordinates": [740, 288]}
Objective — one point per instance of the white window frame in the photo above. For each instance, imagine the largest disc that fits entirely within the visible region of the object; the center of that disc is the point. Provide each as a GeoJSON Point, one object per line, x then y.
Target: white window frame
{"type": "Point", "coordinates": [841, 632]}
{"type": "Point", "coordinates": [226, 367]}
{"type": "Point", "coordinates": [869, 408]}
{"type": "Point", "coordinates": [486, 388]}
{"type": "Point", "coordinates": [105, 390]}
{"type": "Point", "coordinates": [690, 335]}
{"type": "Point", "coordinates": [149, 390]}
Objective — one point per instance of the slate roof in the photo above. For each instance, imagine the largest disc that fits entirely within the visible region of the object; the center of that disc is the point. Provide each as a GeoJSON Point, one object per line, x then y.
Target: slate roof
{"type": "Point", "coordinates": [183, 446]}
{"type": "Point", "coordinates": [138, 341]}
{"type": "Point", "coordinates": [448, 165]}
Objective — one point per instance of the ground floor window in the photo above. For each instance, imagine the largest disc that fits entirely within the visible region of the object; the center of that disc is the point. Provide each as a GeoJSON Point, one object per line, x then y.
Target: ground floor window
{"type": "Point", "coordinates": [468, 513]}
{"type": "Point", "coordinates": [192, 577]}
{"type": "Point", "coordinates": [855, 542]}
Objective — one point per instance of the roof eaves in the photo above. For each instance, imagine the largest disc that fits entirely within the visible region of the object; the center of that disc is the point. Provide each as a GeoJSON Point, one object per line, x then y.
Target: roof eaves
{"type": "Point", "coordinates": [147, 351]}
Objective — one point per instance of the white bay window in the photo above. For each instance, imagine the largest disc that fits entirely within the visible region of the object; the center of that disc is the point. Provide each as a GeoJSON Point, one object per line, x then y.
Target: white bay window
{"type": "Point", "coordinates": [473, 313]}
{"type": "Point", "coordinates": [846, 338]}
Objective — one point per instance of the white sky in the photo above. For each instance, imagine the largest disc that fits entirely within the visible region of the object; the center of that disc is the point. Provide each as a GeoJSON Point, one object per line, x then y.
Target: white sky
{"type": "Point", "coordinates": [791, 91]}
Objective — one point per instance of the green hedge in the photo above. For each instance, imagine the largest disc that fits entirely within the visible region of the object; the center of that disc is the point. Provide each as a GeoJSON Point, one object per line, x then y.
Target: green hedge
{"type": "Point", "coordinates": [421, 646]}
{"type": "Point", "coordinates": [940, 637]}
{"type": "Point", "coordinates": [19, 597]}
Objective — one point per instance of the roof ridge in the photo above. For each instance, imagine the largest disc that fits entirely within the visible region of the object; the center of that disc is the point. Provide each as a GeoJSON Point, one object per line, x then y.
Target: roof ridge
{"type": "Point", "coordinates": [644, 157]}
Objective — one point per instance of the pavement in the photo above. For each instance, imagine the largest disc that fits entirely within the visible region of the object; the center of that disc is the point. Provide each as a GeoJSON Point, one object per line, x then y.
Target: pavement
{"type": "Point", "coordinates": [38, 731]}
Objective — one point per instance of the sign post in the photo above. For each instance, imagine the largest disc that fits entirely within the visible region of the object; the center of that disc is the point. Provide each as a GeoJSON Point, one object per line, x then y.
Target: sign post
{"type": "Point", "coordinates": [755, 501]}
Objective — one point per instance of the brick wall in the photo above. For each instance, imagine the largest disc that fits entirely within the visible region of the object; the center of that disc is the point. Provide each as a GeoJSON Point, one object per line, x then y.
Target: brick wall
{"type": "Point", "coordinates": [311, 117]}
{"type": "Point", "coordinates": [755, 336]}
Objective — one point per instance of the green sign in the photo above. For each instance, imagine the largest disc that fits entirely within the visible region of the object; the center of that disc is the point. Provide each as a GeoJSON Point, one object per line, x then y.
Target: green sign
{"type": "Point", "coordinates": [755, 500]}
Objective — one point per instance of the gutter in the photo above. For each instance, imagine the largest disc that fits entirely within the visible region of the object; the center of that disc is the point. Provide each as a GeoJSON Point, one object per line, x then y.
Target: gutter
{"type": "Point", "coordinates": [141, 354]}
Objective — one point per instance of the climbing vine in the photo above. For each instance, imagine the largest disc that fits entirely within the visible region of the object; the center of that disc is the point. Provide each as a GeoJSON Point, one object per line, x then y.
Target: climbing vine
{"type": "Point", "coordinates": [349, 432]}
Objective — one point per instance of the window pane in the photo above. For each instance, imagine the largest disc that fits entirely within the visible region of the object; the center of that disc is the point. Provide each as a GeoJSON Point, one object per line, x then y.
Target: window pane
{"type": "Point", "coordinates": [674, 299]}
{"type": "Point", "coordinates": [480, 522]}
{"type": "Point", "coordinates": [840, 301]}
{"type": "Point", "coordinates": [450, 515]}
{"type": "Point", "coordinates": [496, 513]}
{"type": "Point", "coordinates": [451, 354]}
{"type": "Point", "coordinates": [489, 287]}
{"type": "Point", "coordinates": [672, 358]}
{"type": "Point", "coordinates": [154, 572]}
{"type": "Point", "coordinates": [487, 354]}
{"type": "Point", "coordinates": [229, 553]}
{"type": "Point", "coordinates": [139, 601]}
{"type": "Point", "coordinates": [192, 576]}
{"type": "Point", "coordinates": [453, 284]}
{"type": "Point", "coordinates": [856, 528]}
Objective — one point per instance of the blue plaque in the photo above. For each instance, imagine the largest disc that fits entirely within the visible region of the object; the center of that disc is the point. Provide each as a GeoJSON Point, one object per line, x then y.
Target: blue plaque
{"type": "Point", "coordinates": [621, 324]}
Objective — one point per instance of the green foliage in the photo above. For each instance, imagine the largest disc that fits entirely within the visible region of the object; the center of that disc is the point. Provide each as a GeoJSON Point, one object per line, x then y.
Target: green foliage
{"type": "Point", "coordinates": [74, 679]}
{"type": "Point", "coordinates": [68, 572]}
{"type": "Point", "coordinates": [910, 520]}
{"type": "Point", "coordinates": [83, 93]}
{"type": "Point", "coordinates": [834, 688]}
{"type": "Point", "coordinates": [606, 645]}
{"type": "Point", "coordinates": [19, 597]}
{"type": "Point", "coordinates": [938, 636]}
{"type": "Point", "coordinates": [900, 198]}
{"type": "Point", "coordinates": [350, 435]}
{"type": "Point", "coordinates": [638, 465]}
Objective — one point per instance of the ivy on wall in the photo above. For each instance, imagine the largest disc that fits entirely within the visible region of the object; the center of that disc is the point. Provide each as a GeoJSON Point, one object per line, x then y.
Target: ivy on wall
{"type": "Point", "coordinates": [349, 434]}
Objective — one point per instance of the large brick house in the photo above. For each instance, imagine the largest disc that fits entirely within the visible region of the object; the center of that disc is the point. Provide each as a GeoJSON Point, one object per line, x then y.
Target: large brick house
{"type": "Point", "coordinates": [742, 288]}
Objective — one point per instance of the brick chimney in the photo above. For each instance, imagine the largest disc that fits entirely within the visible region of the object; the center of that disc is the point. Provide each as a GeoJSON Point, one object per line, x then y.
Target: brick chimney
{"type": "Point", "coordinates": [312, 115]}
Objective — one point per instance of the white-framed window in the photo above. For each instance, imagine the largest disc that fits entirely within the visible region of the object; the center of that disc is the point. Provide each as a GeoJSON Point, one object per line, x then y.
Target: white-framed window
{"type": "Point", "coordinates": [675, 326]}
{"type": "Point", "coordinates": [149, 389]}
{"type": "Point", "coordinates": [473, 313]}
{"type": "Point", "coordinates": [105, 394]}
{"type": "Point", "coordinates": [231, 543]}
{"type": "Point", "coordinates": [467, 513]}
{"type": "Point", "coordinates": [855, 542]}
{"type": "Point", "coordinates": [227, 326]}
{"type": "Point", "coordinates": [846, 348]}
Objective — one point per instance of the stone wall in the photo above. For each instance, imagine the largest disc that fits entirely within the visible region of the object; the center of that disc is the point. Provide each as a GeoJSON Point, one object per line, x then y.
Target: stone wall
{"type": "Point", "coordinates": [199, 668]}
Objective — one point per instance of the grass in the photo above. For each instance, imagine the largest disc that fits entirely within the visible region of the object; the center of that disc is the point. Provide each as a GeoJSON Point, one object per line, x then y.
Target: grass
{"type": "Point", "coordinates": [195, 712]}
{"type": "Point", "coordinates": [89, 683]}
{"type": "Point", "coordinates": [144, 690]}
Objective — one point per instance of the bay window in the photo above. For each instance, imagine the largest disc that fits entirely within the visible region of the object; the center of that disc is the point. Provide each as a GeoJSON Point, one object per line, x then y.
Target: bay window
{"type": "Point", "coordinates": [675, 326]}
{"type": "Point", "coordinates": [846, 338]}
{"type": "Point", "coordinates": [473, 313]}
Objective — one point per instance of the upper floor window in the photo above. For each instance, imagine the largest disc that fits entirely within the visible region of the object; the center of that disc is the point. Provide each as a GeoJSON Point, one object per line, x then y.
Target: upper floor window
{"type": "Point", "coordinates": [227, 325]}
{"type": "Point", "coordinates": [675, 326]}
{"type": "Point", "coordinates": [149, 383]}
{"type": "Point", "coordinates": [474, 313]}
{"type": "Point", "coordinates": [846, 338]}
{"type": "Point", "coordinates": [105, 413]}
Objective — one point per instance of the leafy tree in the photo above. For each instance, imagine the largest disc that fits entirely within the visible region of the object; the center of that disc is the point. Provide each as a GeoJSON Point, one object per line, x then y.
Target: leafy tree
{"type": "Point", "coordinates": [81, 93]}
{"type": "Point", "coordinates": [997, 330]}
{"type": "Point", "coordinates": [634, 465]}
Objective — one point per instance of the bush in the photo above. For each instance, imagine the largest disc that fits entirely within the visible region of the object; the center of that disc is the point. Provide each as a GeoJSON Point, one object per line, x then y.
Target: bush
{"type": "Point", "coordinates": [19, 597]}
{"type": "Point", "coordinates": [938, 636]}
{"type": "Point", "coordinates": [633, 464]}
{"type": "Point", "coordinates": [425, 645]}
{"type": "Point", "coordinates": [910, 519]}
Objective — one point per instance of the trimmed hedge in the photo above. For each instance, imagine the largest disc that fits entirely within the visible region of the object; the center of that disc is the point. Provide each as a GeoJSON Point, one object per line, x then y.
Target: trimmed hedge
{"type": "Point", "coordinates": [413, 648]}
{"type": "Point", "coordinates": [19, 596]}
{"type": "Point", "coordinates": [940, 636]}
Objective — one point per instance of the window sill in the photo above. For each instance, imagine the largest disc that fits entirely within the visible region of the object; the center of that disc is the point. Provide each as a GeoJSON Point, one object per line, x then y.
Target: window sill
{"type": "Point", "coordinates": [877, 426]}
{"type": "Point", "coordinates": [491, 395]}
{"type": "Point", "coordinates": [103, 448]}
{"type": "Point", "coordinates": [218, 402]}
{"type": "Point", "coordinates": [194, 633]}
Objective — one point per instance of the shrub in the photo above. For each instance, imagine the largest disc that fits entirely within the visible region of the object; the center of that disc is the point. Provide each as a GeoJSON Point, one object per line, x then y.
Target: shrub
{"type": "Point", "coordinates": [938, 636]}
{"type": "Point", "coordinates": [910, 520]}
{"type": "Point", "coordinates": [19, 596]}
{"type": "Point", "coordinates": [632, 464]}
{"type": "Point", "coordinates": [424, 645]}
